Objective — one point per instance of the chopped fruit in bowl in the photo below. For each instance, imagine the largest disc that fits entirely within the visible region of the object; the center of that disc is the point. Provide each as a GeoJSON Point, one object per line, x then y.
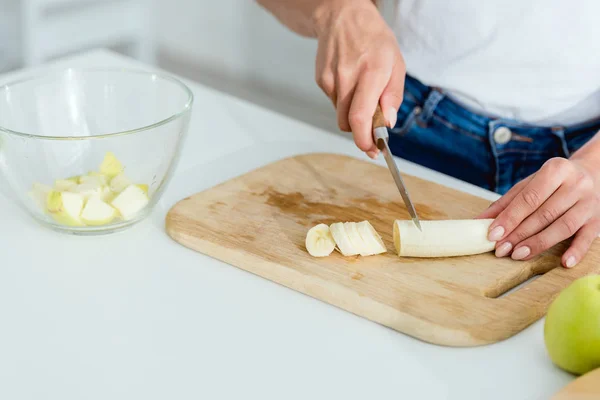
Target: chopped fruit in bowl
{"type": "Point", "coordinates": [92, 150]}
{"type": "Point", "coordinates": [102, 197]}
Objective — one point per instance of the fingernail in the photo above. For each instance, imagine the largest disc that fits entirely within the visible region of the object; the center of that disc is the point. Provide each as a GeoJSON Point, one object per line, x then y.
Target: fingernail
{"type": "Point", "coordinates": [503, 249]}
{"type": "Point", "coordinates": [496, 234]}
{"type": "Point", "coordinates": [392, 116]}
{"type": "Point", "coordinates": [571, 262]}
{"type": "Point", "coordinates": [372, 154]}
{"type": "Point", "coordinates": [521, 253]}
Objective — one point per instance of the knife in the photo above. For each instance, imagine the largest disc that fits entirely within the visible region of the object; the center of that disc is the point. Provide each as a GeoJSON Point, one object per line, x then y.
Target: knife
{"type": "Point", "coordinates": [381, 136]}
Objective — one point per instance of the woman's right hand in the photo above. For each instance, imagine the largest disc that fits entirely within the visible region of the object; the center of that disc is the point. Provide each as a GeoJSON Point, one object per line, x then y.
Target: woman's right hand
{"type": "Point", "coordinates": [358, 65]}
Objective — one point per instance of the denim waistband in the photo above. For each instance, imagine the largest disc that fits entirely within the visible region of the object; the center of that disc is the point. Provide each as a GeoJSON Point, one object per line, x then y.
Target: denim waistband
{"type": "Point", "coordinates": [434, 99]}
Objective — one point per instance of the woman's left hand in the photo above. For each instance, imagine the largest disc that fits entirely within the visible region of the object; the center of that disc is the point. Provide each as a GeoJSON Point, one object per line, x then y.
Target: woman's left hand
{"type": "Point", "coordinates": [562, 199]}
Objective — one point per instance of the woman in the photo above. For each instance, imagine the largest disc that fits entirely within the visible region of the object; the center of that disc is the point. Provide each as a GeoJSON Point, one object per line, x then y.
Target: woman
{"type": "Point", "coordinates": [503, 94]}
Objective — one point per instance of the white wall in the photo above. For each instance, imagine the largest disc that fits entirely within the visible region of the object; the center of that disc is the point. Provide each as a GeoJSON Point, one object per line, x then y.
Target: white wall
{"type": "Point", "coordinates": [233, 45]}
{"type": "Point", "coordinates": [237, 46]}
{"type": "Point", "coordinates": [57, 28]}
{"type": "Point", "coordinates": [10, 40]}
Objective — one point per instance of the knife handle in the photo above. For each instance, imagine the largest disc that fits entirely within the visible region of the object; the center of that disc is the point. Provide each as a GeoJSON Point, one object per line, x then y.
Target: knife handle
{"type": "Point", "coordinates": [379, 127]}
{"type": "Point", "coordinates": [379, 119]}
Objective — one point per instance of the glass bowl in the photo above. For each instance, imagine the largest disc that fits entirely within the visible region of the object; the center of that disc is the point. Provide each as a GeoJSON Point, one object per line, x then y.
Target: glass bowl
{"type": "Point", "coordinates": [90, 151]}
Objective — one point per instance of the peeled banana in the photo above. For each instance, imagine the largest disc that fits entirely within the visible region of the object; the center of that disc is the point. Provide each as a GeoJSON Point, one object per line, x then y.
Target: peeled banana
{"type": "Point", "coordinates": [439, 238]}
{"type": "Point", "coordinates": [350, 239]}
{"type": "Point", "coordinates": [442, 238]}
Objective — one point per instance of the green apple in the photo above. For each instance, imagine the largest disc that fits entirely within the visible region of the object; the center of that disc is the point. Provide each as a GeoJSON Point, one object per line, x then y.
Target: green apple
{"type": "Point", "coordinates": [97, 212]}
{"type": "Point", "coordinates": [111, 166]}
{"type": "Point", "coordinates": [65, 207]}
{"type": "Point", "coordinates": [572, 326]}
{"type": "Point", "coordinates": [130, 201]}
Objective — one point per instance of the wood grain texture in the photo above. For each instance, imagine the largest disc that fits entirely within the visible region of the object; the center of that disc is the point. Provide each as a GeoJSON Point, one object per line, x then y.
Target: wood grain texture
{"type": "Point", "coordinates": [258, 222]}
{"type": "Point", "coordinates": [378, 118]}
{"type": "Point", "coordinates": [586, 387]}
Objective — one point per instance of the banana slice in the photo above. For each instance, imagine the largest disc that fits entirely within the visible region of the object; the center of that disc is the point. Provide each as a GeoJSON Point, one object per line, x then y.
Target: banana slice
{"type": "Point", "coordinates": [371, 239]}
{"type": "Point", "coordinates": [319, 241]}
{"type": "Point", "coordinates": [338, 231]}
{"type": "Point", "coordinates": [357, 241]}
{"type": "Point", "coordinates": [350, 239]}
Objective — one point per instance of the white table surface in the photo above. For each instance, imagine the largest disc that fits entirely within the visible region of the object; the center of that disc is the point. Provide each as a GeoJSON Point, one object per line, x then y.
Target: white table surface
{"type": "Point", "coordinates": [164, 322]}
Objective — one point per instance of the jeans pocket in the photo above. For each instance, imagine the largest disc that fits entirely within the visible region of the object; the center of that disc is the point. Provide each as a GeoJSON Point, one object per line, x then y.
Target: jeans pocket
{"type": "Point", "coordinates": [575, 142]}
{"type": "Point", "coordinates": [406, 118]}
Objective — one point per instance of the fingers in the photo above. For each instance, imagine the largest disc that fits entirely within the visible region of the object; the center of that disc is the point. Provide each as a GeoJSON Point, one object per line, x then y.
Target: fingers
{"type": "Point", "coordinates": [562, 200]}
{"type": "Point", "coordinates": [558, 202]}
{"type": "Point", "coordinates": [345, 87]}
{"type": "Point", "coordinates": [499, 205]}
{"type": "Point", "coordinates": [563, 228]}
{"type": "Point", "coordinates": [341, 88]}
{"type": "Point", "coordinates": [531, 196]}
{"type": "Point", "coordinates": [393, 93]}
{"type": "Point", "coordinates": [324, 75]}
{"type": "Point", "coordinates": [373, 153]}
{"type": "Point", "coordinates": [581, 243]}
{"type": "Point", "coordinates": [364, 102]}
{"type": "Point", "coordinates": [353, 69]}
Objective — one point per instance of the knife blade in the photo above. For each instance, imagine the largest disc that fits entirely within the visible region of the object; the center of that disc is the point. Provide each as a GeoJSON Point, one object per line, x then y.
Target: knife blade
{"type": "Point", "coordinates": [381, 137]}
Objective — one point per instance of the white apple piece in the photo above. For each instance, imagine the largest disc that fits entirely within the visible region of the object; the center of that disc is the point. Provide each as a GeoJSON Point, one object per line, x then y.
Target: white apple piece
{"type": "Point", "coordinates": [63, 185]}
{"type": "Point", "coordinates": [88, 189]}
{"type": "Point", "coordinates": [130, 201]}
{"type": "Point", "coordinates": [106, 194]}
{"type": "Point", "coordinates": [111, 166]}
{"type": "Point", "coordinates": [39, 194]}
{"type": "Point", "coordinates": [144, 187]}
{"type": "Point", "coordinates": [94, 179]}
{"type": "Point", "coordinates": [95, 198]}
{"type": "Point", "coordinates": [119, 183]}
{"type": "Point", "coordinates": [65, 207]}
{"type": "Point", "coordinates": [97, 212]}
{"type": "Point", "coordinates": [442, 238]}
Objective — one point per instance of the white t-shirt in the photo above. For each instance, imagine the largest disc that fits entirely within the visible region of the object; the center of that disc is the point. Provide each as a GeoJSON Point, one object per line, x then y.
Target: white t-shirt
{"type": "Point", "coordinates": [536, 61]}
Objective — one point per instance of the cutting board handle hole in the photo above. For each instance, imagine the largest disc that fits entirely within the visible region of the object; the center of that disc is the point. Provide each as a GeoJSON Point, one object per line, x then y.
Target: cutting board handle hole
{"type": "Point", "coordinates": [518, 287]}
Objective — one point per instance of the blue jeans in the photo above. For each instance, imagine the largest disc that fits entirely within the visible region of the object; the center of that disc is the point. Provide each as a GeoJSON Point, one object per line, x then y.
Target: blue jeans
{"type": "Point", "coordinates": [434, 131]}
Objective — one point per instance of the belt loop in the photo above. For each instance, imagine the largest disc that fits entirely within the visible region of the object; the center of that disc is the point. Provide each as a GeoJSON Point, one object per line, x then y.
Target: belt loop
{"type": "Point", "coordinates": [492, 126]}
{"type": "Point", "coordinates": [433, 99]}
{"type": "Point", "coordinates": [559, 132]}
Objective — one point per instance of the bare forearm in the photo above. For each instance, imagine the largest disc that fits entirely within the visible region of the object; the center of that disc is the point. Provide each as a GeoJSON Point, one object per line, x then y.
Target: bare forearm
{"type": "Point", "coordinates": [305, 16]}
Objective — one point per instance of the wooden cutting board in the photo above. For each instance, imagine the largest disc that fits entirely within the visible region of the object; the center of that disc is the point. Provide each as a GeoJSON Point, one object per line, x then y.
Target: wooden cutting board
{"type": "Point", "coordinates": [258, 222]}
{"type": "Point", "coordinates": [585, 387]}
